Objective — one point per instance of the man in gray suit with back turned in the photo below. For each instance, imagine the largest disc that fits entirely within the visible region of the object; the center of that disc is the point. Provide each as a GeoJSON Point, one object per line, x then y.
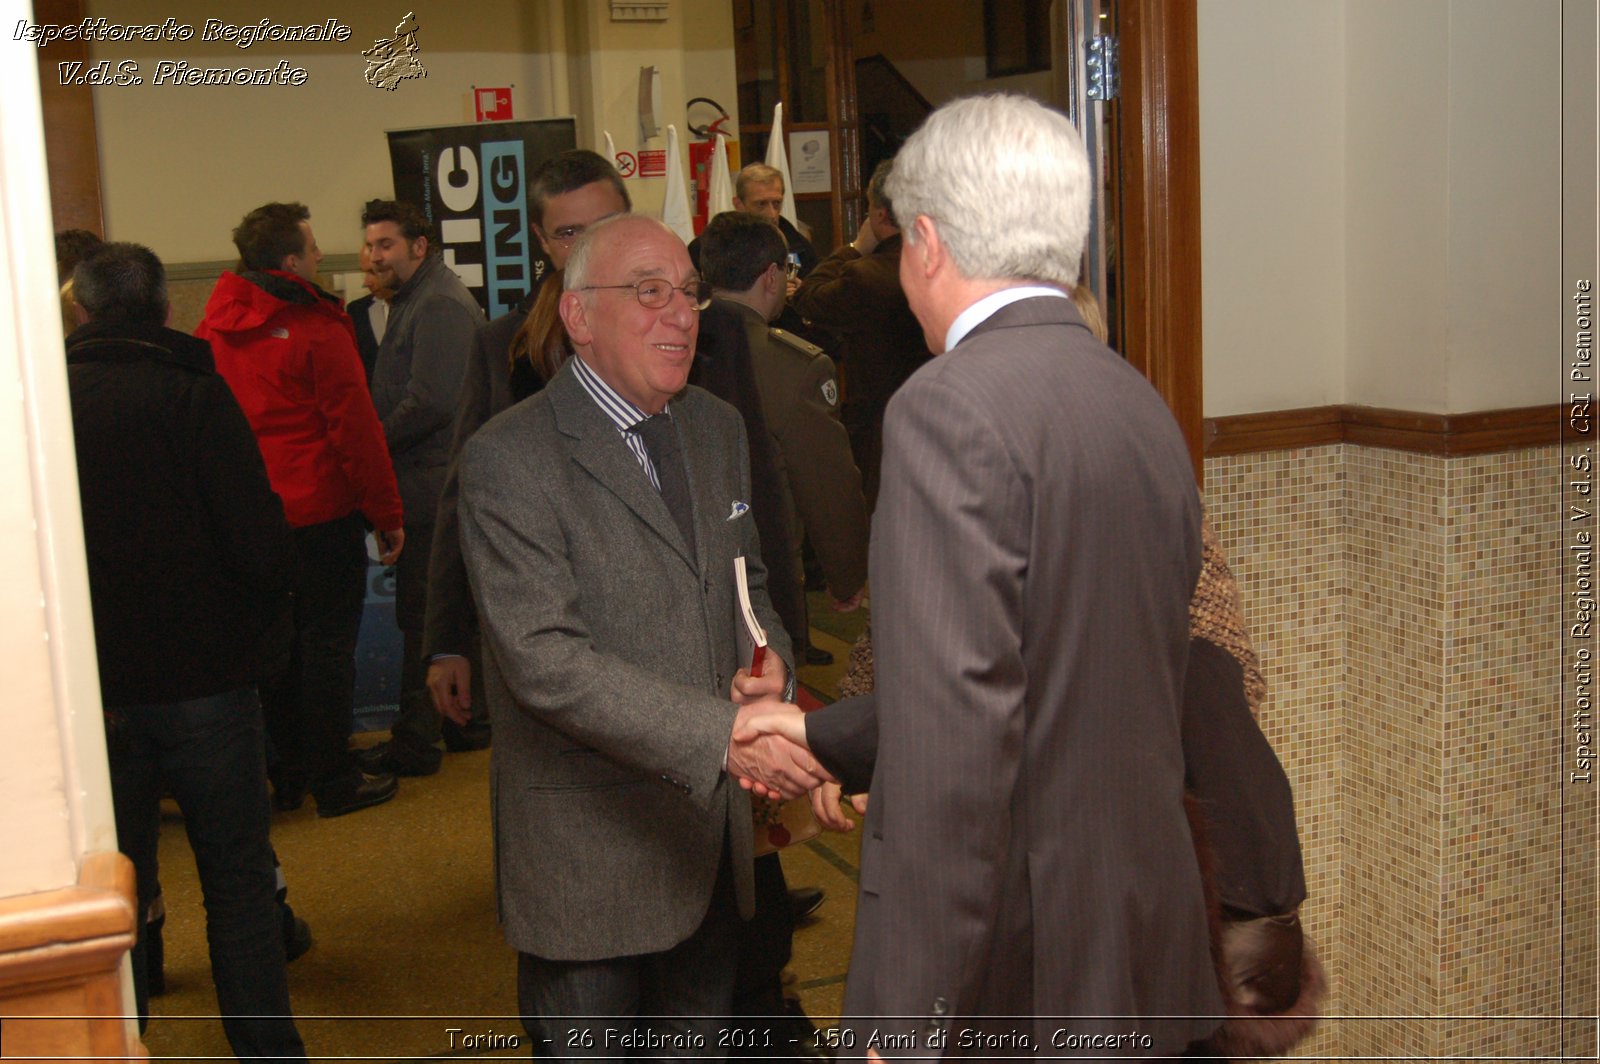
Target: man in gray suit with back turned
{"type": "Point", "coordinates": [1035, 545]}
{"type": "Point", "coordinates": [600, 520]}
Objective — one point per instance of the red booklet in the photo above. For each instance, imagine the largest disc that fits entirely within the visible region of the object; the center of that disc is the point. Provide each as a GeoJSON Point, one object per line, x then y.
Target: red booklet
{"type": "Point", "coordinates": [752, 637]}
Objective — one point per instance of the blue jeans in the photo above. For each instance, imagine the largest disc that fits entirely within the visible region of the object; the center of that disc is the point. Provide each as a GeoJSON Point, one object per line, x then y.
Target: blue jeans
{"type": "Point", "coordinates": [209, 752]}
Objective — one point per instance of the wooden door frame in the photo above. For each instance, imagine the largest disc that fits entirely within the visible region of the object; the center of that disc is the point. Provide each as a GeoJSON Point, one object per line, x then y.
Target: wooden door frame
{"type": "Point", "coordinates": [1158, 122]}
{"type": "Point", "coordinates": [844, 120]}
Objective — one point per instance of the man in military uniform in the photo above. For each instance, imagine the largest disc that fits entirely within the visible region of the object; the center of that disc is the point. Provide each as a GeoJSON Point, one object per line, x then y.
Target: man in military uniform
{"type": "Point", "coordinates": [742, 256]}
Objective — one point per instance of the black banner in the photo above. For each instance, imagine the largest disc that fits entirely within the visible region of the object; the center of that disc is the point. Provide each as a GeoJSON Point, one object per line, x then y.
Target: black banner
{"type": "Point", "coordinates": [472, 183]}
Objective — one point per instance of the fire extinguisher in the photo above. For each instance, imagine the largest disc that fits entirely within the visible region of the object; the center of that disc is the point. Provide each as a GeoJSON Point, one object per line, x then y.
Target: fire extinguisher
{"type": "Point", "coordinates": [701, 152]}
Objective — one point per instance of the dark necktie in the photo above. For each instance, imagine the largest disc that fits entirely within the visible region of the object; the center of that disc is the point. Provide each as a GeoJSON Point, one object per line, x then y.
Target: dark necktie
{"type": "Point", "coordinates": [661, 440]}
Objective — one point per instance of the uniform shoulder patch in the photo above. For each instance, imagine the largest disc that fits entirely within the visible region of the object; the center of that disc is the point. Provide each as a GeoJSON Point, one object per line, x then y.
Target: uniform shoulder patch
{"type": "Point", "coordinates": [789, 339]}
{"type": "Point", "coordinates": [830, 392]}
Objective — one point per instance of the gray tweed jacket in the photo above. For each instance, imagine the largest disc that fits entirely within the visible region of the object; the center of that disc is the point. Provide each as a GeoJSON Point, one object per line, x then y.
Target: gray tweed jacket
{"type": "Point", "coordinates": [609, 655]}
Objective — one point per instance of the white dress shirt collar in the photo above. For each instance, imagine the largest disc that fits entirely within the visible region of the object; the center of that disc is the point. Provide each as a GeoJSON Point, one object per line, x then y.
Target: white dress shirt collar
{"type": "Point", "coordinates": [984, 309]}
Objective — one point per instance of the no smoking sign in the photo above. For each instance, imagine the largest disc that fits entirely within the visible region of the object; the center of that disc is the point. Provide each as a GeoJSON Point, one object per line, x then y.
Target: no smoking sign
{"type": "Point", "coordinates": [627, 165]}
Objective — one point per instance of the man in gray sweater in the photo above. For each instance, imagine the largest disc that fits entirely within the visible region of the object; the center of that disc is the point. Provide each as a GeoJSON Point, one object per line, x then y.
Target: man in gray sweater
{"type": "Point", "coordinates": [415, 383]}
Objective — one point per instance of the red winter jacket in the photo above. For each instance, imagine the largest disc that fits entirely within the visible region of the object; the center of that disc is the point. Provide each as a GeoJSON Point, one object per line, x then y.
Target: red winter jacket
{"type": "Point", "coordinates": [288, 352]}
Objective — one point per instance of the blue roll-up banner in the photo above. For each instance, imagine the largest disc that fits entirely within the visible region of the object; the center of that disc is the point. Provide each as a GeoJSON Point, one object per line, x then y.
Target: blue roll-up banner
{"type": "Point", "coordinates": [472, 183]}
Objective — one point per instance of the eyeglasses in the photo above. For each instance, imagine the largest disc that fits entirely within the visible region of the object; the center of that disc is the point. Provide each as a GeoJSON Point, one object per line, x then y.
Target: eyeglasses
{"type": "Point", "coordinates": [656, 292]}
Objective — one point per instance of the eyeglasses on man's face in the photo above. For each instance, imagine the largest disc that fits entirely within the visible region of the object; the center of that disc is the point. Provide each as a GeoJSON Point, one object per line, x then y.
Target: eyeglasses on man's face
{"type": "Point", "coordinates": [656, 292]}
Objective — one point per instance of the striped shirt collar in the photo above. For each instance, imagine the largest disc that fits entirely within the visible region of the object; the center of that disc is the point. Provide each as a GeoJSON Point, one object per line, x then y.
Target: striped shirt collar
{"type": "Point", "coordinates": [623, 414]}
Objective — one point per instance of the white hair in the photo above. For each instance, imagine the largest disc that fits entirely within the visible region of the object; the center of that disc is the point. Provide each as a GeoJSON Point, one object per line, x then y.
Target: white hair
{"type": "Point", "coordinates": [1006, 182]}
{"type": "Point", "coordinates": [576, 274]}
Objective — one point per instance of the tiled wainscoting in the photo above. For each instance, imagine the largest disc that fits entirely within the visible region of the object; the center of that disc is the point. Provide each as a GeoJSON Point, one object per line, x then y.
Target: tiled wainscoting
{"type": "Point", "coordinates": [1408, 610]}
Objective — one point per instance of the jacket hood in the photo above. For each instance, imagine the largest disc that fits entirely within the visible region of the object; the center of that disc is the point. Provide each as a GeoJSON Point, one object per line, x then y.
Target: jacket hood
{"type": "Point", "coordinates": [244, 301]}
{"type": "Point", "coordinates": [121, 341]}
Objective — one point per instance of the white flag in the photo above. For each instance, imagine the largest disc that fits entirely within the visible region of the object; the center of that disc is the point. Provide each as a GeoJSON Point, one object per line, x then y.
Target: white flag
{"type": "Point", "coordinates": [719, 188]}
{"type": "Point", "coordinates": [778, 158]}
{"type": "Point", "coordinates": [675, 207]}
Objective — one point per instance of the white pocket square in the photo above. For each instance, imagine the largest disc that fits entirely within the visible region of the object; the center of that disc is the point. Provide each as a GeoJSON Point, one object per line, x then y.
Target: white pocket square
{"type": "Point", "coordinates": [739, 510]}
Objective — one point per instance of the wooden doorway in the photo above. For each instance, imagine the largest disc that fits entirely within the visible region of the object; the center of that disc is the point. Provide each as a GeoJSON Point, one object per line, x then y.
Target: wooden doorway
{"type": "Point", "coordinates": [834, 63]}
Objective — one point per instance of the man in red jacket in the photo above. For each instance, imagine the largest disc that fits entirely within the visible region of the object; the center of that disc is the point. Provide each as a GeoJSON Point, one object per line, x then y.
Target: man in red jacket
{"type": "Point", "coordinates": [287, 350]}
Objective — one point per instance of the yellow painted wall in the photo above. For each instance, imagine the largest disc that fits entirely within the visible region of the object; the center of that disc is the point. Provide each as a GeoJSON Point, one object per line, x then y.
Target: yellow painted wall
{"type": "Point", "coordinates": [182, 164]}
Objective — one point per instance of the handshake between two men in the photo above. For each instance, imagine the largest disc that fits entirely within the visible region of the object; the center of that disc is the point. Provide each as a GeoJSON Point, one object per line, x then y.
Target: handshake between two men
{"type": "Point", "coordinates": [768, 753]}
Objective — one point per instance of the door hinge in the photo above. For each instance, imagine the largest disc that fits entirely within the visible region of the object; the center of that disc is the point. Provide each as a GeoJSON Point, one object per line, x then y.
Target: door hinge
{"type": "Point", "coordinates": [1101, 64]}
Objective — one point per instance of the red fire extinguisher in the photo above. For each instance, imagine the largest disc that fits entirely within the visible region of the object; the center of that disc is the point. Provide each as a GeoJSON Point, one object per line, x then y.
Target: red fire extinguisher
{"type": "Point", "coordinates": [701, 152]}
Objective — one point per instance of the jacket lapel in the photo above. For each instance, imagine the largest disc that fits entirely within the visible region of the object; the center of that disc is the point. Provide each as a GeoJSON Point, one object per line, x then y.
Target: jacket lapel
{"type": "Point", "coordinates": [598, 448]}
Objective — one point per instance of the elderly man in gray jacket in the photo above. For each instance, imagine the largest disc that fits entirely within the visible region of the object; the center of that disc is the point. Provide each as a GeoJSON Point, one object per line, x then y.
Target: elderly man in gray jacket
{"type": "Point", "coordinates": [415, 384]}
{"type": "Point", "coordinates": [600, 522]}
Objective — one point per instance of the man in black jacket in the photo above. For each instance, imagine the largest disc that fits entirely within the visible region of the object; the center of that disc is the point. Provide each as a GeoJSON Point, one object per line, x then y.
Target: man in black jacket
{"type": "Point", "coordinates": [190, 563]}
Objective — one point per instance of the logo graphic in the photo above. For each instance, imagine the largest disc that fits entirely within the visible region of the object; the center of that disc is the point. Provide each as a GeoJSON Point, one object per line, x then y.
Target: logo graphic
{"type": "Point", "coordinates": [830, 392]}
{"type": "Point", "coordinates": [739, 510]}
{"type": "Point", "coordinates": [392, 61]}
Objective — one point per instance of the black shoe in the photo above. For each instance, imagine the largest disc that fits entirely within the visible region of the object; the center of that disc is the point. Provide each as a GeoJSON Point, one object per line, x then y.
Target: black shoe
{"type": "Point", "coordinates": [393, 758]}
{"type": "Point", "coordinates": [803, 901]}
{"type": "Point", "coordinates": [296, 933]}
{"type": "Point", "coordinates": [818, 656]}
{"type": "Point", "coordinates": [368, 790]}
{"type": "Point", "coordinates": [459, 740]}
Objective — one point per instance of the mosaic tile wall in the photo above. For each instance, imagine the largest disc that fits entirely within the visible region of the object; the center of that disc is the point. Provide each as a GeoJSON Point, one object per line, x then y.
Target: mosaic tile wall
{"type": "Point", "coordinates": [1394, 712]}
{"type": "Point", "coordinates": [1408, 612]}
{"type": "Point", "coordinates": [1500, 912]}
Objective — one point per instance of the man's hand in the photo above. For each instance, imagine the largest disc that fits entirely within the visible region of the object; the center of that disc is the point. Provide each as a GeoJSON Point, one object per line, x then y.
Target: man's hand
{"type": "Point", "coordinates": [389, 544]}
{"type": "Point", "coordinates": [850, 604]}
{"type": "Point", "coordinates": [450, 684]}
{"type": "Point", "coordinates": [764, 761]}
{"type": "Point", "coordinates": [825, 804]}
{"type": "Point", "coordinates": [772, 717]}
{"type": "Point", "coordinates": [866, 240]}
{"type": "Point", "coordinates": [769, 685]}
